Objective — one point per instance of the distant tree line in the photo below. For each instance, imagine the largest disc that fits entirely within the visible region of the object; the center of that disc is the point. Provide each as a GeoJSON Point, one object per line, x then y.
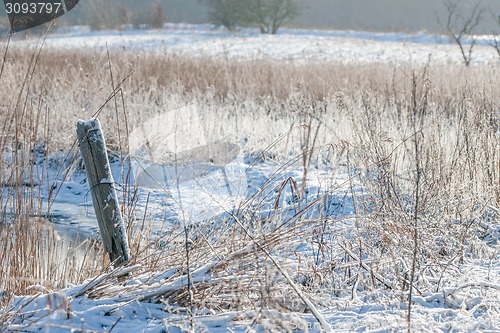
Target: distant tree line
{"type": "Point", "coordinates": [267, 15]}
{"type": "Point", "coordinates": [104, 14]}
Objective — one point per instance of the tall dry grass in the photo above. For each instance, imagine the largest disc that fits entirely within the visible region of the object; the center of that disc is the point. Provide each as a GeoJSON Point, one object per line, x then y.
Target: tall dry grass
{"type": "Point", "coordinates": [34, 257]}
{"type": "Point", "coordinates": [75, 84]}
{"type": "Point", "coordinates": [421, 141]}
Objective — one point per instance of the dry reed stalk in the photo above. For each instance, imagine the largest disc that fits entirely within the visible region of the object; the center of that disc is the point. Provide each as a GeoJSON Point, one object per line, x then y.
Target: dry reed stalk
{"type": "Point", "coordinates": [366, 106]}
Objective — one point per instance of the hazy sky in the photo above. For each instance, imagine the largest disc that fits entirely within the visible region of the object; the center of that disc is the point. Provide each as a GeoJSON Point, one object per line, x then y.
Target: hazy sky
{"type": "Point", "coordinates": [382, 15]}
{"type": "Point", "coordinates": [378, 15]}
{"type": "Point", "coordinates": [392, 15]}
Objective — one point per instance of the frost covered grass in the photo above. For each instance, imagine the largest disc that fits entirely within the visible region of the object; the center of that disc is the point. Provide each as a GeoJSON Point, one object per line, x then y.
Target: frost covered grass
{"type": "Point", "coordinates": [34, 257]}
{"type": "Point", "coordinates": [384, 191]}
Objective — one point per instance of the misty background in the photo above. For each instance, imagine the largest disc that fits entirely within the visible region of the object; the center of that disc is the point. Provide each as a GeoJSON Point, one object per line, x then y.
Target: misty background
{"type": "Point", "coordinates": [365, 15]}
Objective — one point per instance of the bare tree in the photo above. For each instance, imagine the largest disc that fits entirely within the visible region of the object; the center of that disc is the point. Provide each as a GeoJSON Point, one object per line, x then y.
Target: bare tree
{"type": "Point", "coordinates": [227, 13]}
{"type": "Point", "coordinates": [267, 15]}
{"type": "Point", "coordinates": [495, 42]}
{"type": "Point", "coordinates": [158, 16]}
{"type": "Point", "coordinates": [459, 25]}
{"type": "Point", "coordinates": [270, 15]}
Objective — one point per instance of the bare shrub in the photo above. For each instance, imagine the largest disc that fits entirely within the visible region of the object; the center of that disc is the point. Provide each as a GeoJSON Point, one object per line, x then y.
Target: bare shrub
{"type": "Point", "coordinates": [227, 13]}
{"type": "Point", "coordinates": [271, 15]}
{"type": "Point", "coordinates": [460, 26]}
{"type": "Point", "coordinates": [495, 43]}
{"type": "Point", "coordinates": [158, 16]}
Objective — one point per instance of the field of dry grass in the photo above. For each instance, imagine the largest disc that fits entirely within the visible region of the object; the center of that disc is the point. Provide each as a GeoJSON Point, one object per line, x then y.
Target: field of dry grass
{"type": "Point", "coordinates": [422, 141]}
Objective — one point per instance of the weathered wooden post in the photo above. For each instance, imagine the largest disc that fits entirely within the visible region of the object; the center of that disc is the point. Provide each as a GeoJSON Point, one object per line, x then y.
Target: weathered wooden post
{"type": "Point", "coordinates": [101, 184]}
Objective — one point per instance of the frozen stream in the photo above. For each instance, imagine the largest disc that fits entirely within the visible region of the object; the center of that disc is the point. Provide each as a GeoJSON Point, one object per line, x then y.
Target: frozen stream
{"type": "Point", "coordinates": [216, 193]}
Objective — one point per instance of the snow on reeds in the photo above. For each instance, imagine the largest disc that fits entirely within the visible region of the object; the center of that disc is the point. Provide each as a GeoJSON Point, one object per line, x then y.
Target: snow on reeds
{"type": "Point", "coordinates": [416, 150]}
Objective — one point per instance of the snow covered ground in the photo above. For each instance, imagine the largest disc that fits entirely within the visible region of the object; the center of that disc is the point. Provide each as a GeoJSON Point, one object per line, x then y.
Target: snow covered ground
{"type": "Point", "coordinates": [471, 303]}
{"type": "Point", "coordinates": [288, 45]}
